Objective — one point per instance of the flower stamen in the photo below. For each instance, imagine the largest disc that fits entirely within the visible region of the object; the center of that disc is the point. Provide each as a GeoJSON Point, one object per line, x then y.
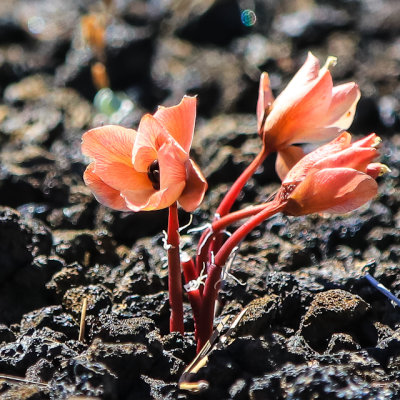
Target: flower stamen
{"type": "Point", "coordinates": [330, 63]}
{"type": "Point", "coordinates": [153, 172]}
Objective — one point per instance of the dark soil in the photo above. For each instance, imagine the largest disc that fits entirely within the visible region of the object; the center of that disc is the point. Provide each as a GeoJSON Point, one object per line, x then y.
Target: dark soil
{"type": "Point", "coordinates": [315, 327]}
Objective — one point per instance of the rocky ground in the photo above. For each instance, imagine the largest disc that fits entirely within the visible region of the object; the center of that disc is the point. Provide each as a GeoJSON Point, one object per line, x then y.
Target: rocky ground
{"type": "Point", "coordinates": [315, 328]}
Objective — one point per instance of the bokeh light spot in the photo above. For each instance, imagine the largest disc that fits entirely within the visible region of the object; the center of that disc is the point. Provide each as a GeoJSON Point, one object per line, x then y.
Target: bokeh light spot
{"type": "Point", "coordinates": [36, 25]}
{"type": "Point", "coordinates": [248, 17]}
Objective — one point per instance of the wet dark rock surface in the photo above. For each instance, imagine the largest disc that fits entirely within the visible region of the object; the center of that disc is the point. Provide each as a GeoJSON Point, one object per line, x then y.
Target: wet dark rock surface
{"type": "Point", "coordinates": [315, 328]}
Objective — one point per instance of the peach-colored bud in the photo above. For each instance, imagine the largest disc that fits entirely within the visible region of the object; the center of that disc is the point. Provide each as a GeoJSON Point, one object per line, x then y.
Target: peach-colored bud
{"type": "Point", "coordinates": [377, 169]}
{"type": "Point", "coordinates": [337, 177]}
{"type": "Point", "coordinates": [310, 109]}
{"type": "Point", "coordinates": [264, 103]}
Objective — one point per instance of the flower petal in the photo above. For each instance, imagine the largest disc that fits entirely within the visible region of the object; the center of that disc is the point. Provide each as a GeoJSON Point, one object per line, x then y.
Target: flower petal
{"type": "Point", "coordinates": [298, 110]}
{"type": "Point", "coordinates": [138, 200]}
{"type": "Point", "coordinates": [265, 100]}
{"type": "Point", "coordinates": [121, 177]}
{"type": "Point", "coordinates": [150, 137]}
{"type": "Point", "coordinates": [196, 186]}
{"type": "Point", "coordinates": [104, 193]}
{"type": "Point", "coordinates": [335, 190]}
{"type": "Point", "coordinates": [300, 170]}
{"type": "Point", "coordinates": [110, 143]}
{"type": "Point", "coordinates": [372, 140]}
{"type": "Point", "coordinates": [172, 161]}
{"type": "Point", "coordinates": [353, 157]}
{"type": "Point", "coordinates": [111, 148]}
{"type": "Point", "coordinates": [343, 105]}
{"type": "Point", "coordinates": [306, 74]}
{"type": "Point", "coordinates": [286, 159]}
{"type": "Point", "coordinates": [179, 121]}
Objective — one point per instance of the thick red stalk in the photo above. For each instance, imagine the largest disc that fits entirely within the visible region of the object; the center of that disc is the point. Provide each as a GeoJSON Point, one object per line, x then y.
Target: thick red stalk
{"type": "Point", "coordinates": [233, 217]}
{"type": "Point", "coordinates": [202, 250]}
{"type": "Point", "coordinates": [189, 271]}
{"type": "Point", "coordinates": [174, 272]}
{"type": "Point", "coordinates": [227, 202]}
{"type": "Point", "coordinates": [270, 209]}
{"type": "Point", "coordinates": [220, 224]}
{"type": "Point", "coordinates": [230, 198]}
{"type": "Point", "coordinates": [214, 272]}
{"type": "Point", "coordinates": [194, 295]}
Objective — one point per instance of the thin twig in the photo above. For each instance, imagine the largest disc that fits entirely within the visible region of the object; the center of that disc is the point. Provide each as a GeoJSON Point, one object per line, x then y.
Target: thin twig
{"type": "Point", "coordinates": [83, 319]}
{"type": "Point", "coordinates": [22, 380]}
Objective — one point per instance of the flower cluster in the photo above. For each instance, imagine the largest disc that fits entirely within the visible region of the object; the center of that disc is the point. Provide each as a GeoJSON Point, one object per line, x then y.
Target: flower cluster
{"type": "Point", "coordinates": [150, 169]}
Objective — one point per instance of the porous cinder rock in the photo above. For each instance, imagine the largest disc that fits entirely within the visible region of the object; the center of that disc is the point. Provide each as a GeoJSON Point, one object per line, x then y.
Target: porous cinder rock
{"type": "Point", "coordinates": [259, 315]}
{"type": "Point", "coordinates": [21, 240]}
{"type": "Point", "coordinates": [99, 299]}
{"type": "Point", "coordinates": [41, 371]}
{"type": "Point", "coordinates": [68, 277]}
{"type": "Point", "coordinates": [180, 346]}
{"type": "Point", "coordinates": [239, 390]}
{"type": "Point", "coordinates": [387, 352]}
{"type": "Point", "coordinates": [154, 306]}
{"type": "Point", "coordinates": [130, 359]}
{"type": "Point", "coordinates": [85, 247]}
{"type": "Point", "coordinates": [137, 280]}
{"type": "Point", "coordinates": [16, 357]}
{"type": "Point", "coordinates": [27, 392]}
{"type": "Point", "coordinates": [342, 342]}
{"type": "Point", "coordinates": [52, 317]}
{"type": "Point", "coordinates": [126, 228]}
{"type": "Point", "coordinates": [221, 371]}
{"type": "Point", "coordinates": [110, 328]}
{"type": "Point", "coordinates": [293, 297]}
{"type": "Point", "coordinates": [331, 311]}
{"type": "Point", "coordinates": [31, 176]}
{"type": "Point", "coordinates": [160, 389]}
{"type": "Point", "coordinates": [6, 334]}
{"type": "Point", "coordinates": [80, 377]}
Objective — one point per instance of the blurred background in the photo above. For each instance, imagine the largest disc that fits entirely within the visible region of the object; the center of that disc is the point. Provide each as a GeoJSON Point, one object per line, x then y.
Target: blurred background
{"type": "Point", "coordinates": [67, 66]}
{"type": "Point", "coordinates": [157, 50]}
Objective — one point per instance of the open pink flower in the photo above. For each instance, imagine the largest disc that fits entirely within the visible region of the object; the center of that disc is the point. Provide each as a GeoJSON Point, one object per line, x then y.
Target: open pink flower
{"type": "Point", "coordinates": [310, 109]}
{"type": "Point", "coordinates": [337, 177]}
{"type": "Point", "coordinates": [147, 169]}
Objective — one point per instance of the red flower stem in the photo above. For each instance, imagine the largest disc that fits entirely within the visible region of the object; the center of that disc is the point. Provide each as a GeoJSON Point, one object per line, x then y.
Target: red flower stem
{"type": "Point", "coordinates": [189, 272]}
{"type": "Point", "coordinates": [194, 295]}
{"type": "Point", "coordinates": [214, 272]}
{"type": "Point", "coordinates": [202, 250]}
{"type": "Point", "coordinates": [227, 202]}
{"type": "Point", "coordinates": [233, 217]}
{"type": "Point", "coordinates": [218, 225]}
{"type": "Point", "coordinates": [271, 208]}
{"type": "Point", "coordinates": [174, 272]}
{"type": "Point", "coordinates": [225, 206]}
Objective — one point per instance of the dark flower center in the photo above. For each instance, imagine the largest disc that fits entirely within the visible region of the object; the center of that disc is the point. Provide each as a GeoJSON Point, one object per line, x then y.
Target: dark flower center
{"type": "Point", "coordinates": [153, 172]}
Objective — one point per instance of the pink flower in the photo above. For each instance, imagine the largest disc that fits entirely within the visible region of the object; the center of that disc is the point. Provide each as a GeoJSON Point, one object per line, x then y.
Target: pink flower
{"type": "Point", "coordinates": [337, 177]}
{"type": "Point", "coordinates": [310, 109]}
{"type": "Point", "coordinates": [147, 169]}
